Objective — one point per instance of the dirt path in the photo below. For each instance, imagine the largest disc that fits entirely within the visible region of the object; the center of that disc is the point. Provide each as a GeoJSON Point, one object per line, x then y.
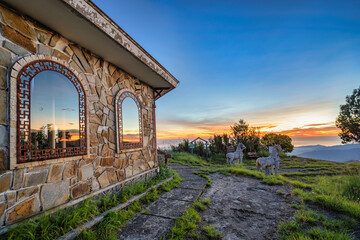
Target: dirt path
{"type": "Point", "coordinates": [244, 208]}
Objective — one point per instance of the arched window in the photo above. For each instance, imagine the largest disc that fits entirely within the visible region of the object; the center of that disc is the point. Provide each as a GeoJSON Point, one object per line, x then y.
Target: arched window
{"type": "Point", "coordinates": [51, 112]}
{"type": "Point", "coordinates": [130, 121]}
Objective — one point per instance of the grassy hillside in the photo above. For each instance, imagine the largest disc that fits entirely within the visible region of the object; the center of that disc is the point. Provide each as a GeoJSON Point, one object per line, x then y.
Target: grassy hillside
{"type": "Point", "coordinates": [328, 192]}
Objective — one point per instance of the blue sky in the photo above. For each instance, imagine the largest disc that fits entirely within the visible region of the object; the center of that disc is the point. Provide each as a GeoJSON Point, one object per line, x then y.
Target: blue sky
{"type": "Point", "coordinates": [285, 66]}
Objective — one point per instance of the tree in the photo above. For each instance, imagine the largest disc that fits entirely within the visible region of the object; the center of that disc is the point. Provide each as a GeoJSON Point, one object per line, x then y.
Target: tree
{"type": "Point", "coordinates": [270, 139]}
{"type": "Point", "coordinates": [348, 119]}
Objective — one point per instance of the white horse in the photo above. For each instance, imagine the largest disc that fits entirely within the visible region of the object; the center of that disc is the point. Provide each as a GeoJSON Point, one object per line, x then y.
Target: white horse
{"type": "Point", "coordinates": [270, 162]}
{"type": "Point", "coordinates": [238, 154]}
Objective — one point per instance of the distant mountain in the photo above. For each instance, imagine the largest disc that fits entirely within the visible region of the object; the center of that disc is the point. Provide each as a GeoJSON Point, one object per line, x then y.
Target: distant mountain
{"type": "Point", "coordinates": [337, 153]}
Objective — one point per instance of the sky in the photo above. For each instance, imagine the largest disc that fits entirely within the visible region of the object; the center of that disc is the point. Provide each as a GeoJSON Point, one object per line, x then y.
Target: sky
{"type": "Point", "coordinates": [283, 66]}
{"type": "Point", "coordinates": [54, 100]}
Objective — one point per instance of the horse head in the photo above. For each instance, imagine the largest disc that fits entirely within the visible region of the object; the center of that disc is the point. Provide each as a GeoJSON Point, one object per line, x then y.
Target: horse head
{"type": "Point", "coordinates": [241, 147]}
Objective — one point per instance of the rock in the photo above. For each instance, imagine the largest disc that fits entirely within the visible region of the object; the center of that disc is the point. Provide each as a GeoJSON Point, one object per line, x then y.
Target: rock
{"type": "Point", "coordinates": [112, 175]}
{"type": "Point", "coordinates": [4, 140]}
{"type": "Point", "coordinates": [105, 150]}
{"type": "Point", "coordinates": [81, 58]}
{"type": "Point", "coordinates": [3, 107]}
{"type": "Point", "coordinates": [18, 179]}
{"type": "Point", "coordinates": [15, 48]}
{"type": "Point", "coordinates": [128, 171]}
{"type": "Point", "coordinates": [70, 169]}
{"type": "Point", "coordinates": [3, 79]}
{"type": "Point", "coordinates": [86, 172]}
{"type": "Point", "coordinates": [98, 171]}
{"type": "Point", "coordinates": [107, 162]}
{"type": "Point", "coordinates": [23, 209]}
{"type": "Point", "coordinates": [26, 192]}
{"type": "Point", "coordinates": [73, 181]}
{"type": "Point", "coordinates": [42, 36]}
{"type": "Point", "coordinates": [80, 189]}
{"type": "Point", "coordinates": [135, 155]}
{"type": "Point", "coordinates": [94, 185]}
{"type": "Point", "coordinates": [17, 22]}
{"type": "Point", "coordinates": [55, 38]}
{"type": "Point", "coordinates": [118, 163]}
{"type": "Point", "coordinates": [3, 159]}
{"type": "Point", "coordinates": [103, 179]}
{"type": "Point", "coordinates": [111, 135]}
{"type": "Point", "coordinates": [54, 194]}
{"type": "Point", "coordinates": [61, 55]}
{"type": "Point", "coordinates": [120, 174]}
{"type": "Point", "coordinates": [2, 210]}
{"type": "Point", "coordinates": [55, 173]}
{"type": "Point", "coordinates": [35, 178]}
{"type": "Point", "coordinates": [94, 119]}
{"type": "Point", "coordinates": [5, 181]}
{"type": "Point", "coordinates": [45, 50]}
{"type": "Point", "coordinates": [17, 38]}
{"type": "Point", "coordinates": [5, 57]}
{"type": "Point", "coordinates": [11, 198]}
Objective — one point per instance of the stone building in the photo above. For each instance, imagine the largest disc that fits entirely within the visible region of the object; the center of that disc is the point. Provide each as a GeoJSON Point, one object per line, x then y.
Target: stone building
{"type": "Point", "coordinates": [77, 106]}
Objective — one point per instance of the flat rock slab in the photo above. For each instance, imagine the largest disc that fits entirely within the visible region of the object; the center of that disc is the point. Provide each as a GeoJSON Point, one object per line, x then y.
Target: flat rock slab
{"type": "Point", "coordinates": [244, 208]}
{"type": "Point", "coordinates": [183, 194]}
{"type": "Point", "coordinates": [169, 208]}
{"type": "Point", "coordinates": [199, 184]}
{"type": "Point", "coordinates": [146, 227]}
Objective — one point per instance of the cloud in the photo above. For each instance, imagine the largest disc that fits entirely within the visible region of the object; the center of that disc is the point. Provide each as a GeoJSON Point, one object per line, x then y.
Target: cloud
{"type": "Point", "coordinates": [68, 109]}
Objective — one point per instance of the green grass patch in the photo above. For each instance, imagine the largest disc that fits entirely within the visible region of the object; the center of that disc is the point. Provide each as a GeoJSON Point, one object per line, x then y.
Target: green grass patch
{"type": "Point", "coordinates": [211, 232]}
{"type": "Point", "coordinates": [186, 224]}
{"type": "Point", "coordinates": [52, 226]}
{"type": "Point", "coordinates": [188, 159]}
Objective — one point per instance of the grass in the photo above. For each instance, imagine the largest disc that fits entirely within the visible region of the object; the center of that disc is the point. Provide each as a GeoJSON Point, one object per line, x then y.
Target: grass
{"type": "Point", "coordinates": [113, 221]}
{"type": "Point", "coordinates": [186, 224]}
{"type": "Point", "coordinates": [52, 226]}
{"type": "Point", "coordinates": [188, 159]}
{"type": "Point", "coordinates": [210, 232]}
{"type": "Point", "coordinates": [310, 224]}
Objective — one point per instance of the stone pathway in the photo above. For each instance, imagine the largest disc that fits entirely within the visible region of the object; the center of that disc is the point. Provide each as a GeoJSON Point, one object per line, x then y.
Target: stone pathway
{"type": "Point", "coordinates": [163, 212]}
{"type": "Point", "coordinates": [244, 208]}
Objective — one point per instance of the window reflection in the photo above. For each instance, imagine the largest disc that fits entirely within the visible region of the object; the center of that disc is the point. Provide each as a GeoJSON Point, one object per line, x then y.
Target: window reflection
{"type": "Point", "coordinates": [130, 121]}
{"type": "Point", "coordinates": [54, 117]}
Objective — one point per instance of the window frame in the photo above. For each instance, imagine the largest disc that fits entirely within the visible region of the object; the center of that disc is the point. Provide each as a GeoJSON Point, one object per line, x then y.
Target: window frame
{"type": "Point", "coordinates": [23, 108]}
{"type": "Point", "coordinates": [122, 95]}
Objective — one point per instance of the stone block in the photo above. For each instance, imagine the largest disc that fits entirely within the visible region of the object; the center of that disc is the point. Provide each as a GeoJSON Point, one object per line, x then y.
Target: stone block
{"type": "Point", "coordinates": [42, 36]}
{"type": "Point", "coordinates": [35, 178]}
{"type": "Point", "coordinates": [112, 175]}
{"type": "Point", "coordinates": [136, 155]}
{"type": "Point", "coordinates": [80, 56]}
{"type": "Point", "coordinates": [94, 119]}
{"type": "Point", "coordinates": [18, 181]}
{"type": "Point", "coordinates": [94, 185]}
{"type": "Point", "coordinates": [111, 135]}
{"type": "Point", "coordinates": [26, 192]}
{"type": "Point", "coordinates": [107, 162]}
{"type": "Point", "coordinates": [120, 174]}
{"type": "Point", "coordinates": [86, 172]}
{"type": "Point", "coordinates": [55, 173]}
{"type": "Point", "coordinates": [4, 140]}
{"type": "Point", "coordinates": [80, 189]}
{"type": "Point", "coordinates": [73, 181]}
{"type": "Point", "coordinates": [94, 140]}
{"type": "Point", "coordinates": [61, 55]}
{"type": "Point", "coordinates": [3, 80]}
{"type": "Point", "coordinates": [3, 159]}
{"type": "Point", "coordinates": [15, 48]}
{"type": "Point", "coordinates": [118, 162]}
{"type": "Point", "coordinates": [2, 211]}
{"type": "Point", "coordinates": [5, 181]}
{"type": "Point", "coordinates": [98, 171]}
{"type": "Point", "coordinates": [11, 198]}
{"type": "Point", "coordinates": [103, 179]}
{"type": "Point", "coordinates": [23, 209]}
{"type": "Point", "coordinates": [105, 150]}
{"type": "Point", "coordinates": [3, 107]}
{"type": "Point", "coordinates": [17, 22]}
{"type": "Point", "coordinates": [128, 171]}
{"type": "Point", "coordinates": [54, 194]}
{"type": "Point", "coordinates": [17, 38]}
{"type": "Point", "coordinates": [70, 169]}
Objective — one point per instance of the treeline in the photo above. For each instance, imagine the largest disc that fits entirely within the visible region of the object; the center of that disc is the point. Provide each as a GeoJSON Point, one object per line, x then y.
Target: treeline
{"type": "Point", "coordinates": [240, 132]}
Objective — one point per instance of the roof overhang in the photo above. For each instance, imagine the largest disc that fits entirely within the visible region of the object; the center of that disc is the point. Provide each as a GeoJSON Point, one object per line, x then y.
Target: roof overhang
{"type": "Point", "coordinates": [82, 22]}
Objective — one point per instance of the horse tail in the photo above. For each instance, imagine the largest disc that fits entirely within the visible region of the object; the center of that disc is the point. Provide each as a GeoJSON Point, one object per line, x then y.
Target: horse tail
{"type": "Point", "coordinates": [257, 164]}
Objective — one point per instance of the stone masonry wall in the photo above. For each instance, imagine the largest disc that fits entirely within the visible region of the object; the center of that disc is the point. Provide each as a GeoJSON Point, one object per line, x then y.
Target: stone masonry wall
{"type": "Point", "coordinates": [38, 186]}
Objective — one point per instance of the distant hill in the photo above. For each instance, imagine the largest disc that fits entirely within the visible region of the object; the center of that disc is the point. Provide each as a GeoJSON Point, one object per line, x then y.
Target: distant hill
{"type": "Point", "coordinates": [338, 153]}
